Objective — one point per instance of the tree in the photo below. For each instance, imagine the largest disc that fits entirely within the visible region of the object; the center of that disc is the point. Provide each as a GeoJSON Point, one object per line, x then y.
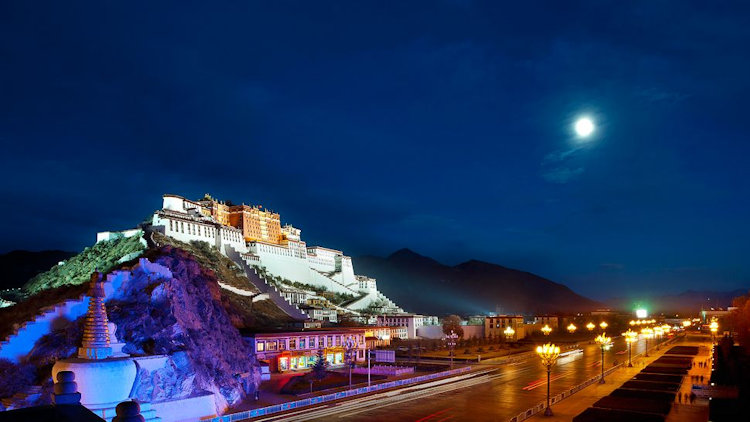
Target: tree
{"type": "Point", "coordinates": [321, 365]}
{"type": "Point", "coordinates": [453, 323]}
{"type": "Point", "coordinates": [740, 319]}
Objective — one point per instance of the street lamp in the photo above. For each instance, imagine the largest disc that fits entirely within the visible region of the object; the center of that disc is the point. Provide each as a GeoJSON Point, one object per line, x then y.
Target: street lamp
{"type": "Point", "coordinates": [630, 337]}
{"type": "Point", "coordinates": [509, 332]}
{"type": "Point", "coordinates": [572, 328]}
{"type": "Point", "coordinates": [350, 345]}
{"type": "Point", "coordinates": [603, 341]}
{"type": "Point", "coordinates": [546, 329]}
{"type": "Point", "coordinates": [450, 340]}
{"type": "Point", "coordinates": [548, 353]}
{"type": "Point", "coordinates": [590, 326]}
{"type": "Point", "coordinates": [714, 327]}
{"type": "Point", "coordinates": [603, 325]}
{"type": "Point", "coordinates": [647, 334]}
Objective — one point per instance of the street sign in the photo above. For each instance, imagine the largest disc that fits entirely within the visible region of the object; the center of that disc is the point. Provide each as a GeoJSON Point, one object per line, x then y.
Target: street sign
{"type": "Point", "coordinates": [385, 356]}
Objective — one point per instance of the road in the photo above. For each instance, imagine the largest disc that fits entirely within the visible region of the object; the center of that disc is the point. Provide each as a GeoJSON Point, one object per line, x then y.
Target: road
{"type": "Point", "coordinates": [497, 392]}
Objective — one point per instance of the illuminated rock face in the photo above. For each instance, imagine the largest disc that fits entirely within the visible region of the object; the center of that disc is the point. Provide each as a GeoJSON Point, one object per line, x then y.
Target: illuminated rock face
{"type": "Point", "coordinates": [96, 331]}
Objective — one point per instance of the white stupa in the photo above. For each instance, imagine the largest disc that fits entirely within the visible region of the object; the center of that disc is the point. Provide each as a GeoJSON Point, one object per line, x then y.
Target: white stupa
{"type": "Point", "coordinates": [103, 380]}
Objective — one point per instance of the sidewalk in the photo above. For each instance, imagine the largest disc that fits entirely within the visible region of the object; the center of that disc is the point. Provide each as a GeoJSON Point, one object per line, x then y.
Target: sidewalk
{"type": "Point", "coordinates": [698, 411]}
{"type": "Point", "coordinates": [567, 409]}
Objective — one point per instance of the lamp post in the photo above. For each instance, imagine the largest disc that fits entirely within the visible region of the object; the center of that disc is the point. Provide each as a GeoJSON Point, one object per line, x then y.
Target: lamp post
{"type": "Point", "coordinates": [546, 329]}
{"type": "Point", "coordinates": [630, 338]}
{"type": "Point", "coordinates": [647, 334]}
{"type": "Point", "coordinates": [350, 344]}
{"type": "Point", "coordinates": [603, 325]}
{"type": "Point", "coordinates": [450, 340]}
{"type": "Point", "coordinates": [714, 327]}
{"type": "Point", "coordinates": [658, 334]}
{"type": "Point", "coordinates": [548, 353]}
{"type": "Point", "coordinates": [572, 328]}
{"type": "Point", "coordinates": [603, 341]}
{"type": "Point", "coordinates": [590, 326]}
{"type": "Point", "coordinates": [509, 332]}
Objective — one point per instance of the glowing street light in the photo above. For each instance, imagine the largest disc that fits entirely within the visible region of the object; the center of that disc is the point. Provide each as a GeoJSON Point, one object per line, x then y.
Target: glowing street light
{"type": "Point", "coordinates": [350, 346]}
{"type": "Point", "coordinates": [632, 322]}
{"type": "Point", "coordinates": [548, 353]}
{"type": "Point", "coordinates": [630, 338]}
{"type": "Point", "coordinates": [604, 325]}
{"type": "Point", "coordinates": [546, 329]}
{"type": "Point", "coordinates": [590, 326]}
{"type": "Point", "coordinates": [509, 332]}
{"type": "Point", "coordinates": [450, 340]}
{"type": "Point", "coordinates": [572, 328]}
{"type": "Point", "coordinates": [647, 334]}
{"type": "Point", "coordinates": [603, 341]}
{"type": "Point", "coordinates": [714, 327]}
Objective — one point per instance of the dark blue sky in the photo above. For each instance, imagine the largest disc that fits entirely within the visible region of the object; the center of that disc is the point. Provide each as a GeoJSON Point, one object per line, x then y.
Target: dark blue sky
{"type": "Point", "coordinates": [444, 127]}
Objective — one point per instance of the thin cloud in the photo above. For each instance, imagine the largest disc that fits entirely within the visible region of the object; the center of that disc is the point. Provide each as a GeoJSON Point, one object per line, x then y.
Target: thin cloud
{"type": "Point", "coordinates": [562, 175]}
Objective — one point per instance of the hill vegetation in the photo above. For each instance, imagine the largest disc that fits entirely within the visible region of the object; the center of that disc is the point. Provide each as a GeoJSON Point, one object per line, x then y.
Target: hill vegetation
{"type": "Point", "coordinates": [102, 256]}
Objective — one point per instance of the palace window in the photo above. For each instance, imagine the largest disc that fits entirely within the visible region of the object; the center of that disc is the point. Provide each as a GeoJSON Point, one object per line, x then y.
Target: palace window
{"type": "Point", "coordinates": [259, 346]}
{"type": "Point", "coordinates": [292, 343]}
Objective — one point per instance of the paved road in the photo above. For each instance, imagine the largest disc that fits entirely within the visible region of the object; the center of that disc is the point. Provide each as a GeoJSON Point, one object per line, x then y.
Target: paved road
{"type": "Point", "coordinates": [498, 392]}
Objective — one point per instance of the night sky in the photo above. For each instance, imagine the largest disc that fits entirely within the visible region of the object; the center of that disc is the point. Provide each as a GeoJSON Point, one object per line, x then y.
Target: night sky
{"type": "Point", "coordinates": [444, 127]}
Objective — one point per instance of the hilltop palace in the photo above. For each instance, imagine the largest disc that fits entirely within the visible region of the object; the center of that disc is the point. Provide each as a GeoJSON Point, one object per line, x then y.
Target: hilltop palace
{"type": "Point", "coordinates": [312, 279]}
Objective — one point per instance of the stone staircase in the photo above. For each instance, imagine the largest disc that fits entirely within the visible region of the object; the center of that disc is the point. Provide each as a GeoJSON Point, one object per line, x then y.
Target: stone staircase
{"type": "Point", "coordinates": [263, 285]}
{"type": "Point", "coordinates": [20, 343]}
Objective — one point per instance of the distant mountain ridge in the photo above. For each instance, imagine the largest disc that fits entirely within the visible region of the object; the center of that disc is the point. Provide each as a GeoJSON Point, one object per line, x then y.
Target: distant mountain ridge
{"type": "Point", "coordinates": [689, 301]}
{"type": "Point", "coordinates": [18, 267]}
{"type": "Point", "coordinates": [423, 285]}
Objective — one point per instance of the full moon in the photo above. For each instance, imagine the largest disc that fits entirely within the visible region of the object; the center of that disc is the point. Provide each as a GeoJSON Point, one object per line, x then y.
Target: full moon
{"type": "Point", "coordinates": [584, 127]}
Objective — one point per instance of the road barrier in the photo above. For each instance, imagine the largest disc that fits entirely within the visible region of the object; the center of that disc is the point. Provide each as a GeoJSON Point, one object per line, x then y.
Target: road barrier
{"type": "Point", "coordinates": [565, 394]}
{"type": "Point", "coordinates": [263, 411]}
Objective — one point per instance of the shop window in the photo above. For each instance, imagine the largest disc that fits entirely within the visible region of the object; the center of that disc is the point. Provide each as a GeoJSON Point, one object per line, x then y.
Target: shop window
{"type": "Point", "coordinates": [259, 346]}
{"type": "Point", "coordinates": [292, 343]}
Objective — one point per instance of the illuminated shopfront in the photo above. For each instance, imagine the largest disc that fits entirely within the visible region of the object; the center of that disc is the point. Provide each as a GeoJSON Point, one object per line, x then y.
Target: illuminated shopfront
{"type": "Point", "coordinates": [298, 351]}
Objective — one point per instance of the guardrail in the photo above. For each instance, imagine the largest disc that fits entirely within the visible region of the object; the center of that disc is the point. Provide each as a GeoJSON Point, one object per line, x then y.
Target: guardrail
{"type": "Point", "coordinates": [565, 394]}
{"type": "Point", "coordinates": [262, 411]}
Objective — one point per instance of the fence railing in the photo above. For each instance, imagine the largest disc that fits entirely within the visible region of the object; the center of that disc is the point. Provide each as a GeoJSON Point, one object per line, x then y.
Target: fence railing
{"type": "Point", "coordinates": [565, 394]}
{"type": "Point", "coordinates": [262, 411]}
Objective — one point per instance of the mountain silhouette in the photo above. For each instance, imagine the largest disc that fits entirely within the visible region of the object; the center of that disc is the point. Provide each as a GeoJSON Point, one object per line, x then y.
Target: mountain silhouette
{"type": "Point", "coordinates": [423, 285]}
{"type": "Point", "coordinates": [18, 267]}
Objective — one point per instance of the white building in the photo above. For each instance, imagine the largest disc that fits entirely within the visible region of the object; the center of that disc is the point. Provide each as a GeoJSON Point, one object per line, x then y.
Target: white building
{"type": "Point", "coordinates": [290, 259]}
{"type": "Point", "coordinates": [320, 313]}
{"type": "Point", "coordinates": [412, 322]}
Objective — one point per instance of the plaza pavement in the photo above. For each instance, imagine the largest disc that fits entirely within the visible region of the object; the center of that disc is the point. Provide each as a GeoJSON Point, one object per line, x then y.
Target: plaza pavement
{"type": "Point", "coordinates": [569, 408]}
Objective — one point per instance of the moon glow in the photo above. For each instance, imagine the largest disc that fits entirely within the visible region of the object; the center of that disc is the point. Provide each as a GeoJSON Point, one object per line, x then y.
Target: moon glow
{"type": "Point", "coordinates": [584, 127]}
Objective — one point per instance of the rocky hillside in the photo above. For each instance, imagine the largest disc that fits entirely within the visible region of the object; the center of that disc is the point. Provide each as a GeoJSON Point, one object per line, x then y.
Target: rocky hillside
{"type": "Point", "coordinates": [421, 284]}
{"type": "Point", "coordinates": [185, 315]}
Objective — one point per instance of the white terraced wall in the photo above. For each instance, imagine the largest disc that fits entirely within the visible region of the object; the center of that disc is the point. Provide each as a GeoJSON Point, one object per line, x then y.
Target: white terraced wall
{"type": "Point", "coordinates": [262, 284]}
